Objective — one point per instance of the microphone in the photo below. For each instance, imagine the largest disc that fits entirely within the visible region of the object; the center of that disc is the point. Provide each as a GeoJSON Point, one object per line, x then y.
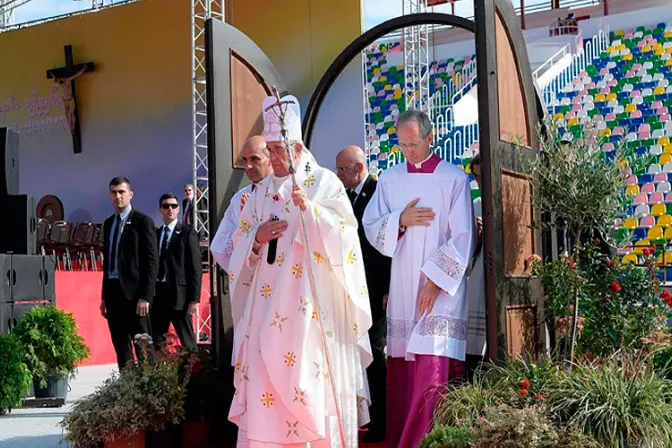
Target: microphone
{"type": "Point", "coordinates": [272, 247]}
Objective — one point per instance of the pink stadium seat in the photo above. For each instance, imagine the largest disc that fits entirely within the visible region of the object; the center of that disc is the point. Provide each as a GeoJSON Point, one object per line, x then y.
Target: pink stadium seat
{"type": "Point", "coordinates": [612, 83]}
{"type": "Point", "coordinates": [605, 90]}
{"type": "Point", "coordinates": [570, 115]}
{"type": "Point", "coordinates": [647, 222]}
{"type": "Point", "coordinates": [576, 107]}
{"type": "Point", "coordinates": [576, 100]}
{"type": "Point", "coordinates": [661, 111]}
{"type": "Point", "coordinates": [630, 74]}
{"type": "Point", "coordinates": [604, 71]}
{"type": "Point", "coordinates": [656, 198]}
{"type": "Point", "coordinates": [618, 130]}
{"type": "Point", "coordinates": [640, 199]}
{"type": "Point", "coordinates": [645, 127]}
{"type": "Point", "coordinates": [632, 180]}
{"type": "Point", "coordinates": [608, 147]}
{"type": "Point", "coordinates": [636, 114]}
{"type": "Point", "coordinates": [635, 93]}
{"type": "Point", "coordinates": [664, 117]}
{"type": "Point", "coordinates": [644, 135]}
{"type": "Point", "coordinates": [590, 86]}
{"type": "Point", "coordinates": [668, 198]}
{"type": "Point", "coordinates": [660, 177]}
{"type": "Point", "coordinates": [648, 189]}
{"type": "Point", "coordinates": [610, 117]}
{"type": "Point", "coordinates": [657, 104]}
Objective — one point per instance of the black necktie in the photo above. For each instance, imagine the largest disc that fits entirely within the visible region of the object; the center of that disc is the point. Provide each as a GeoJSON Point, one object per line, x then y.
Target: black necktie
{"type": "Point", "coordinates": [352, 195]}
{"type": "Point", "coordinates": [115, 237]}
{"type": "Point", "coordinates": [162, 256]}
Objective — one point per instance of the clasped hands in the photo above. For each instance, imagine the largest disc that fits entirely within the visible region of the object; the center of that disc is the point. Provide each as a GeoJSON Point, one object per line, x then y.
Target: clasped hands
{"type": "Point", "coordinates": [272, 230]}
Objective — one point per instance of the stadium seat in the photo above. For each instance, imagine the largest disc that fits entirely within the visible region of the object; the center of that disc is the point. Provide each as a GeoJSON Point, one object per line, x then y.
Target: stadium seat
{"type": "Point", "coordinates": [664, 221]}
{"type": "Point", "coordinates": [642, 210]}
{"type": "Point", "coordinates": [658, 209]}
{"type": "Point", "coordinates": [655, 233]}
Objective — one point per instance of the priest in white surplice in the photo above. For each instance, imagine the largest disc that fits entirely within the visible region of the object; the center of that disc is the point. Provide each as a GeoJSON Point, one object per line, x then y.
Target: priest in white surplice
{"type": "Point", "coordinates": [287, 394]}
{"type": "Point", "coordinates": [257, 165]}
{"type": "Point", "coordinates": [421, 215]}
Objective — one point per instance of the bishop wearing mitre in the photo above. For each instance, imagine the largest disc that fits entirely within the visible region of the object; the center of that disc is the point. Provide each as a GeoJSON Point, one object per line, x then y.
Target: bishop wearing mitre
{"type": "Point", "coordinates": [301, 344]}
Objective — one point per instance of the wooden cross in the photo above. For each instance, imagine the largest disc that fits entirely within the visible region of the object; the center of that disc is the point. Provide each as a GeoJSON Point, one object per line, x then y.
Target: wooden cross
{"type": "Point", "coordinates": [65, 77]}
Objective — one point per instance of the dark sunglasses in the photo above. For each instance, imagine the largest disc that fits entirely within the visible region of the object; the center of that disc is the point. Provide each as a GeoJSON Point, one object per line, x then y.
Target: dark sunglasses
{"type": "Point", "coordinates": [167, 206]}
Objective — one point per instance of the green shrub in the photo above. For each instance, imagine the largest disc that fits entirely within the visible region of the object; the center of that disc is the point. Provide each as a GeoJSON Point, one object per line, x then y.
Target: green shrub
{"type": "Point", "coordinates": [446, 437]}
{"type": "Point", "coordinates": [53, 346]}
{"type": "Point", "coordinates": [14, 375]}
{"type": "Point", "coordinates": [621, 403]}
{"type": "Point", "coordinates": [463, 405]}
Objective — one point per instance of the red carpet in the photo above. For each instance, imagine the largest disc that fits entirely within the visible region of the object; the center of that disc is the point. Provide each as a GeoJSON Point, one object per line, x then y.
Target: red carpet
{"type": "Point", "coordinates": [374, 445]}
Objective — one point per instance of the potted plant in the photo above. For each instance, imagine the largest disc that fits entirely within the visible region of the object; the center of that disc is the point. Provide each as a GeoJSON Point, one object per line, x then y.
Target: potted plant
{"type": "Point", "coordinates": [53, 348]}
{"type": "Point", "coordinates": [200, 400]}
{"type": "Point", "coordinates": [14, 375]}
{"type": "Point", "coordinates": [145, 397]}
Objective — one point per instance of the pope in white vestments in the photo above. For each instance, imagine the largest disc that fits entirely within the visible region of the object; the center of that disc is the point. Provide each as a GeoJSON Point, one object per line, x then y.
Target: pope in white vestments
{"type": "Point", "coordinates": [290, 390]}
{"type": "Point", "coordinates": [421, 216]}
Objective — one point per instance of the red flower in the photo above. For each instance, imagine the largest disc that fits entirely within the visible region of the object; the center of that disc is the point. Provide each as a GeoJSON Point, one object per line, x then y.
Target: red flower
{"type": "Point", "coordinates": [646, 252]}
{"type": "Point", "coordinates": [525, 384]}
{"type": "Point", "coordinates": [571, 263]}
{"type": "Point", "coordinates": [539, 397]}
{"type": "Point", "coordinates": [615, 286]}
{"type": "Point", "coordinates": [610, 264]}
{"type": "Point", "coordinates": [524, 392]}
{"type": "Point", "coordinates": [665, 295]}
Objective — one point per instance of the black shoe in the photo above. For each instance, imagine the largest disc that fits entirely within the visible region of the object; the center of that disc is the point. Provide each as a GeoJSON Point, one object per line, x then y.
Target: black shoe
{"type": "Point", "coordinates": [373, 437]}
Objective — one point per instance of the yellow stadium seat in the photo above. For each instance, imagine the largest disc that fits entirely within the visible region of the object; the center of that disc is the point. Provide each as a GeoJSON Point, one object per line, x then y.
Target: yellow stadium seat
{"type": "Point", "coordinates": [383, 79]}
{"type": "Point", "coordinates": [627, 57]}
{"type": "Point", "coordinates": [599, 98]}
{"type": "Point", "coordinates": [668, 149]}
{"type": "Point", "coordinates": [394, 148]}
{"type": "Point", "coordinates": [620, 47]}
{"type": "Point", "coordinates": [668, 63]}
{"type": "Point", "coordinates": [667, 260]}
{"type": "Point", "coordinates": [665, 158]}
{"type": "Point", "coordinates": [668, 233]}
{"type": "Point", "coordinates": [630, 222]}
{"type": "Point", "coordinates": [391, 130]}
{"type": "Point", "coordinates": [646, 48]}
{"type": "Point", "coordinates": [606, 132]}
{"type": "Point", "coordinates": [659, 52]}
{"type": "Point", "coordinates": [397, 95]}
{"type": "Point", "coordinates": [657, 47]}
{"type": "Point", "coordinates": [630, 108]}
{"type": "Point", "coordinates": [640, 245]}
{"type": "Point", "coordinates": [558, 116]}
{"type": "Point", "coordinates": [659, 91]}
{"type": "Point", "coordinates": [620, 32]}
{"type": "Point", "coordinates": [376, 70]}
{"type": "Point", "coordinates": [664, 141]}
{"type": "Point", "coordinates": [573, 121]}
{"type": "Point", "coordinates": [629, 258]}
{"type": "Point", "coordinates": [611, 96]}
{"type": "Point", "coordinates": [668, 34]}
{"type": "Point", "coordinates": [610, 48]}
{"type": "Point", "coordinates": [658, 210]}
{"type": "Point", "coordinates": [632, 190]}
{"type": "Point", "coordinates": [664, 221]}
{"type": "Point", "coordinates": [387, 87]}
{"type": "Point", "coordinates": [655, 233]}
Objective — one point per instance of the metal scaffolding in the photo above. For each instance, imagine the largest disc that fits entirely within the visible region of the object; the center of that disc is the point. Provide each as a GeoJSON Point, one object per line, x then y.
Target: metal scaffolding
{"type": "Point", "coordinates": [7, 8]}
{"type": "Point", "coordinates": [416, 59]}
{"type": "Point", "coordinates": [201, 10]}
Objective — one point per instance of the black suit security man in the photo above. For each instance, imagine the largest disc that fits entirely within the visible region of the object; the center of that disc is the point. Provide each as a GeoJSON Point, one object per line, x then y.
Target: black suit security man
{"type": "Point", "coordinates": [178, 286]}
{"type": "Point", "coordinates": [130, 266]}
{"type": "Point", "coordinates": [360, 186]}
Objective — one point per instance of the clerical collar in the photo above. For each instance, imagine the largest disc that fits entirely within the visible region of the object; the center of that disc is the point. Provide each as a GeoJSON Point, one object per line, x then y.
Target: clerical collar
{"type": "Point", "coordinates": [277, 181]}
{"type": "Point", "coordinates": [426, 166]}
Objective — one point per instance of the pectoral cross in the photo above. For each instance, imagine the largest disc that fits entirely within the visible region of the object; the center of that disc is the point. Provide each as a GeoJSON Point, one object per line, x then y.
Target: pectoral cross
{"type": "Point", "coordinates": [65, 78]}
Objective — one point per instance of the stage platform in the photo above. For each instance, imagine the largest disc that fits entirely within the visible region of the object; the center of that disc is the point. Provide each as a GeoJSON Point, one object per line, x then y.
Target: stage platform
{"type": "Point", "coordinates": [80, 293]}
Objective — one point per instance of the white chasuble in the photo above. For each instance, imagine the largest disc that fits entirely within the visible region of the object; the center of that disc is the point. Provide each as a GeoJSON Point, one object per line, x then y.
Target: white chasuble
{"type": "Point", "coordinates": [222, 243]}
{"type": "Point", "coordinates": [284, 381]}
{"type": "Point", "coordinates": [440, 252]}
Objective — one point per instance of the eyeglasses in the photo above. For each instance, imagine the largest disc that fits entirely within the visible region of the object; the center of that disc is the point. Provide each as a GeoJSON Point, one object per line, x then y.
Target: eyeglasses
{"type": "Point", "coordinates": [167, 206]}
{"type": "Point", "coordinates": [343, 169]}
{"type": "Point", "coordinates": [409, 145]}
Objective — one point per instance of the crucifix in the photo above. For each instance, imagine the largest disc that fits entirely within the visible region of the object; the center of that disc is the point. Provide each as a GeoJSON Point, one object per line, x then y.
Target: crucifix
{"type": "Point", "coordinates": [65, 78]}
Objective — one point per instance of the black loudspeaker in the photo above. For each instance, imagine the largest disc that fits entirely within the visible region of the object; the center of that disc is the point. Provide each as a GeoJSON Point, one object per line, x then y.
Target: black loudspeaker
{"type": "Point", "coordinates": [9, 162]}
{"type": "Point", "coordinates": [18, 227]}
{"type": "Point", "coordinates": [26, 278]}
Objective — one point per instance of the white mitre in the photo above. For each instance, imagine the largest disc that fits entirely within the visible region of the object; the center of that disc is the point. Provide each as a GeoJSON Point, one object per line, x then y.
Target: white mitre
{"type": "Point", "coordinates": [272, 119]}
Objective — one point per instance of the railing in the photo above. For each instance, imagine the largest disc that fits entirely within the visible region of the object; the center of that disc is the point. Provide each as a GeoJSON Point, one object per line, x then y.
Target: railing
{"type": "Point", "coordinates": [556, 57]}
{"type": "Point", "coordinates": [580, 61]}
{"type": "Point", "coordinates": [444, 96]}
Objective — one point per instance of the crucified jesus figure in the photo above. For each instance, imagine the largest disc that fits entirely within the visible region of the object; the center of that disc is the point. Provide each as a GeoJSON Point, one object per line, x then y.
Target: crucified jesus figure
{"type": "Point", "coordinates": [68, 100]}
